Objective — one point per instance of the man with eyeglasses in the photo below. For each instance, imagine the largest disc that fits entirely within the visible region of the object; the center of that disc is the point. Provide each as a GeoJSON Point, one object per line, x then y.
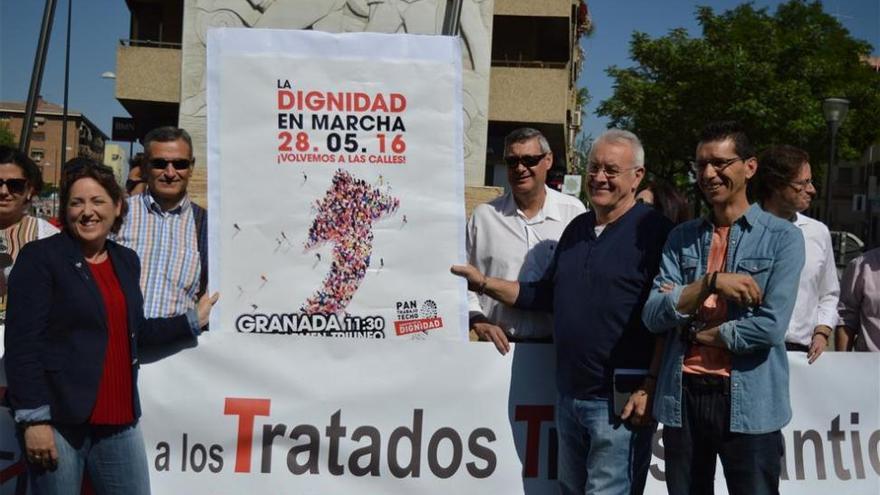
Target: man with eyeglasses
{"type": "Point", "coordinates": [723, 299]}
{"type": "Point", "coordinates": [166, 229]}
{"type": "Point", "coordinates": [596, 285]}
{"type": "Point", "coordinates": [513, 237]}
{"type": "Point", "coordinates": [784, 187]}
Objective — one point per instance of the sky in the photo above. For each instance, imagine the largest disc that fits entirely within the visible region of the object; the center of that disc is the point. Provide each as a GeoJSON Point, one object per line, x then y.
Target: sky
{"type": "Point", "coordinates": [98, 25]}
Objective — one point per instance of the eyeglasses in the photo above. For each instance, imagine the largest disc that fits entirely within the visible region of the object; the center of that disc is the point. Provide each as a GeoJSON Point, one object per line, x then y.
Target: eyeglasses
{"type": "Point", "coordinates": [14, 186]}
{"type": "Point", "coordinates": [718, 164]}
{"type": "Point", "coordinates": [161, 163]}
{"type": "Point", "coordinates": [528, 160]}
{"type": "Point", "coordinates": [610, 172]}
{"type": "Point", "coordinates": [800, 185]}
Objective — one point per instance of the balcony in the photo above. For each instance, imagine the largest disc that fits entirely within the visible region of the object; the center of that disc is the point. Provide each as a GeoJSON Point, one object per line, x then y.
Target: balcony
{"type": "Point", "coordinates": [519, 41]}
{"type": "Point", "coordinates": [147, 72]}
{"type": "Point", "coordinates": [544, 8]}
{"type": "Point", "coordinates": [529, 94]}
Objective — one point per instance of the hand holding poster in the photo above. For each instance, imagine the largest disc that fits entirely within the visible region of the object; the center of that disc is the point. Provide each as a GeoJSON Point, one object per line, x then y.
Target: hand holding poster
{"type": "Point", "coordinates": [335, 183]}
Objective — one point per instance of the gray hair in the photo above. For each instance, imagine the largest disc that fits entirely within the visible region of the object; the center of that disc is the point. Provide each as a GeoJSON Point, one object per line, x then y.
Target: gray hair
{"type": "Point", "coordinates": [524, 134]}
{"type": "Point", "coordinates": [167, 134]}
{"type": "Point", "coordinates": [620, 136]}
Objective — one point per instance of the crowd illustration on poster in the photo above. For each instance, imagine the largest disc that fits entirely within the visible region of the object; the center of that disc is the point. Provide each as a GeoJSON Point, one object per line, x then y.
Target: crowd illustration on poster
{"type": "Point", "coordinates": [345, 217]}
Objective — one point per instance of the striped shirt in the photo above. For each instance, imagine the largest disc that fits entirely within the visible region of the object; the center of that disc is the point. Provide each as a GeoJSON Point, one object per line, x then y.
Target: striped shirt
{"type": "Point", "coordinates": [167, 244]}
{"type": "Point", "coordinates": [12, 239]}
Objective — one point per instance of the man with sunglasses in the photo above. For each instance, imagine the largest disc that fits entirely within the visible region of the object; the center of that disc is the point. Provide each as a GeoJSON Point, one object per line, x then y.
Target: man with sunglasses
{"type": "Point", "coordinates": [166, 229]}
{"type": "Point", "coordinates": [596, 285]}
{"type": "Point", "coordinates": [723, 299]}
{"type": "Point", "coordinates": [784, 187]}
{"type": "Point", "coordinates": [513, 237]}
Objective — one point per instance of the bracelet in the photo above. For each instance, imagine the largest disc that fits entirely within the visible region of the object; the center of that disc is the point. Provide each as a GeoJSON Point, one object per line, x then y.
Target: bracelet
{"type": "Point", "coordinates": [482, 286]}
{"type": "Point", "coordinates": [827, 336]}
{"type": "Point", "coordinates": [690, 334]}
{"type": "Point", "coordinates": [712, 280]}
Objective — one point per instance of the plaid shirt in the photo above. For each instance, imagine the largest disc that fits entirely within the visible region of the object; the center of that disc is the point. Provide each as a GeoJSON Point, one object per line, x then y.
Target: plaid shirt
{"type": "Point", "coordinates": [167, 244]}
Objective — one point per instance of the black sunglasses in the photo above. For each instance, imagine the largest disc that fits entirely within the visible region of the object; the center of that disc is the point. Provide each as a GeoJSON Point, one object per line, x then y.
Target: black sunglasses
{"type": "Point", "coordinates": [14, 186]}
{"type": "Point", "coordinates": [161, 163]}
{"type": "Point", "coordinates": [527, 160]}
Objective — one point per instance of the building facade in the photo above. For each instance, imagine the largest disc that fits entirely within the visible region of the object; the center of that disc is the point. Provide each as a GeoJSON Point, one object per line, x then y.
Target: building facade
{"type": "Point", "coordinates": [535, 62]}
{"type": "Point", "coordinates": [115, 157]}
{"type": "Point", "coordinates": [83, 137]}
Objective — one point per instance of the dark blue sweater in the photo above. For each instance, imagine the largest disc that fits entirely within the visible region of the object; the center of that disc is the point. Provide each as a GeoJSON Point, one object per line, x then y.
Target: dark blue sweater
{"type": "Point", "coordinates": [596, 288]}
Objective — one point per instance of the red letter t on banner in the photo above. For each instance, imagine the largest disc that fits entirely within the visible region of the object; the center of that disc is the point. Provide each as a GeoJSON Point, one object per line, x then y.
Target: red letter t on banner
{"type": "Point", "coordinates": [245, 409]}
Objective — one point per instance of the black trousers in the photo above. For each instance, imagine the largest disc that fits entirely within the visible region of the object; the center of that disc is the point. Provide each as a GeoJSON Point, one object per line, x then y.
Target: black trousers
{"type": "Point", "coordinates": [752, 463]}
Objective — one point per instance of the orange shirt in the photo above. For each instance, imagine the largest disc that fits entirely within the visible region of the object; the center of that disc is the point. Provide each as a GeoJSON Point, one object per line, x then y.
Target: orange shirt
{"type": "Point", "coordinates": [703, 359]}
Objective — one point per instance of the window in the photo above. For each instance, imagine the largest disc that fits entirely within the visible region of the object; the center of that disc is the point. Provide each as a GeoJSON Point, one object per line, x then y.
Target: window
{"type": "Point", "coordinates": [37, 155]}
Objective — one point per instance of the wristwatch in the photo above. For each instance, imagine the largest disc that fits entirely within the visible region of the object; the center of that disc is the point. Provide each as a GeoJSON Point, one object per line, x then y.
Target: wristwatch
{"type": "Point", "coordinates": [695, 327]}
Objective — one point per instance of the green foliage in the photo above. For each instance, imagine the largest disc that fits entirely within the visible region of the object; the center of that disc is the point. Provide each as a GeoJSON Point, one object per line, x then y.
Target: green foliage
{"type": "Point", "coordinates": [7, 138]}
{"type": "Point", "coordinates": [770, 72]}
{"type": "Point", "coordinates": [582, 146]}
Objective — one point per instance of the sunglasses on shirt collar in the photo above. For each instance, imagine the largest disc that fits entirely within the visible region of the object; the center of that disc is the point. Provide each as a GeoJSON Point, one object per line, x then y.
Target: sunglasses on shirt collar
{"type": "Point", "coordinates": [161, 163]}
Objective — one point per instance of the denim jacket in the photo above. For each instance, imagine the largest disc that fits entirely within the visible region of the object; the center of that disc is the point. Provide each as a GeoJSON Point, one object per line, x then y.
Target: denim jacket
{"type": "Point", "coordinates": [769, 249]}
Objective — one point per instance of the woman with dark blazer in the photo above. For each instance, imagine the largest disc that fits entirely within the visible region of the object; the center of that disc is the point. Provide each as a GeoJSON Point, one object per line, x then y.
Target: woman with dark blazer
{"type": "Point", "coordinates": [74, 326]}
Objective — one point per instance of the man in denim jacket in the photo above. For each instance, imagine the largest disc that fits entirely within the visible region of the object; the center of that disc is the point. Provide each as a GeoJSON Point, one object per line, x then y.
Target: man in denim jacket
{"type": "Point", "coordinates": [723, 298]}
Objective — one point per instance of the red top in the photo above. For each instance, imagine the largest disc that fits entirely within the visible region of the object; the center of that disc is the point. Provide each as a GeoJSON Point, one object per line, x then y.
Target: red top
{"type": "Point", "coordinates": [114, 403]}
{"type": "Point", "coordinates": [703, 359]}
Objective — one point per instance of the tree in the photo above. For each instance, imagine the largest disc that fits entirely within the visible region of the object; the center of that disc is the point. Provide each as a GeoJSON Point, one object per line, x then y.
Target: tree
{"type": "Point", "coordinates": [770, 72]}
{"type": "Point", "coordinates": [581, 146]}
{"type": "Point", "coordinates": [7, 138]}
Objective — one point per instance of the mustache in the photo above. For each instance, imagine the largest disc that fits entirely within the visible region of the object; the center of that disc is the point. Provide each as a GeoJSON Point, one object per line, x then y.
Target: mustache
{"type": "Point", "coordinates": [526, 175]}
{"type": "Point", "coordinates": [711, 182]}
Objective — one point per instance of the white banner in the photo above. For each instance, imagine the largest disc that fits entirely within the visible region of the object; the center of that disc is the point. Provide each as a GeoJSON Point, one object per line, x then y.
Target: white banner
{"type": "Point", "coordinates": [277, 414]}
{"type": "Point", "coordinates": [335, 166]}
{"type": "Point", "coordinates": [274, 414]}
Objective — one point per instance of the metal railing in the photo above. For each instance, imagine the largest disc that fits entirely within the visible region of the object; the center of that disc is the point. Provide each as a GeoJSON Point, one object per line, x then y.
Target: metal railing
{"type": "Point", "coordinates": [151, 44]}
{"type": "Point", "coordinates": [531, 64]}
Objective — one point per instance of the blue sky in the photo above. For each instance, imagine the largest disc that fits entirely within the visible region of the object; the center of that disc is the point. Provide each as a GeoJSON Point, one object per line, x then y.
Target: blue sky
{"type": "Point", "coordinates": [98, 25]}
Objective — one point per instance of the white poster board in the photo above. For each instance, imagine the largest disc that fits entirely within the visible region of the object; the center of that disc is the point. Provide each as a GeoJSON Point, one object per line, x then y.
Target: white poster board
{"type": "Point", "coordinates": [335, 183]}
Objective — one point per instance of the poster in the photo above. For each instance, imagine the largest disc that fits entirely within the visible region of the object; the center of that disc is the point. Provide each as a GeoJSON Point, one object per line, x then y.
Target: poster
{"type": "Point", "coordinates": [336, 184]}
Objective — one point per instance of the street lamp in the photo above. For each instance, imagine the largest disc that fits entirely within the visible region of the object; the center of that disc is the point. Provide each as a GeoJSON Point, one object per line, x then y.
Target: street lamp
{"type": "Point", "coordinates": [834, 110]}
